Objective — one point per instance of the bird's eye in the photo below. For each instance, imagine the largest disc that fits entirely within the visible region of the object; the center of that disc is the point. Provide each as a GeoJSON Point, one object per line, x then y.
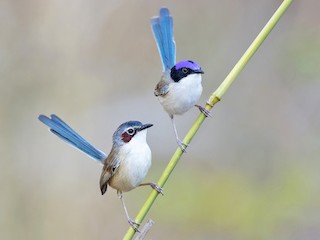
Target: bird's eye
{"type": "Point", "coordinates": [131, 131]}
{"type": "Point", "coordinates": [184, 70]}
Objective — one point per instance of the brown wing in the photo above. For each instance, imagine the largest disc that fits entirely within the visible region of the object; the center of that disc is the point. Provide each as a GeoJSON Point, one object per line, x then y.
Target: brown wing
{"type": "Point", "coordinates": [110, 167]}
{"type": "Point", "coordinates": [162, 88]}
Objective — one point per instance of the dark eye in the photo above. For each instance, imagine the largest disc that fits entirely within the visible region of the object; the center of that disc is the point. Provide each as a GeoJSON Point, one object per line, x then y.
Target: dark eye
{"type": "Point", "coordinates": [184, 70]}
{"type": "Point", "coordinates": [131, 131]}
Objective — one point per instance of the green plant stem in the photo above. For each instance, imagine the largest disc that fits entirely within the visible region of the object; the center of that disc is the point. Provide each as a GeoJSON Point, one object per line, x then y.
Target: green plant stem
{"type": "Point", "coordinates": [213, 99]}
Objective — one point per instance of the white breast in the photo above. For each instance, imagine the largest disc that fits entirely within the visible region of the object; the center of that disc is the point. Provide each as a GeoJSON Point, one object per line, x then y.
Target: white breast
{"type": "Point", "coordinates": [135, 163]}
{"type": "Point", "coordinates": [182, 95]}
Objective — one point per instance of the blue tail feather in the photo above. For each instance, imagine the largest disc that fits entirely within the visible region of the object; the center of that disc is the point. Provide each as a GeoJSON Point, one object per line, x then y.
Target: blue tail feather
{"type": "Point", "coordinates": [162, 28]}
{"type": "Point", "coordinates": [67, 134]}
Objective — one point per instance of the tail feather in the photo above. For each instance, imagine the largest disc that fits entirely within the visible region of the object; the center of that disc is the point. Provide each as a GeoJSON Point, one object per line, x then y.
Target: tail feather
{"type": "Point", "coordinates": [67, 134]}
{"type": "Point", "coordinates": [162, 28]}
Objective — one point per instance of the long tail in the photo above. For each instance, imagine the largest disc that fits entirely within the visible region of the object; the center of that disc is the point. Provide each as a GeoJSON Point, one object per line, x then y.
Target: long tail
{"type": "Point", "coordinates": [162, 28]}
{"type": "Point", "coordinates": [67, 134]}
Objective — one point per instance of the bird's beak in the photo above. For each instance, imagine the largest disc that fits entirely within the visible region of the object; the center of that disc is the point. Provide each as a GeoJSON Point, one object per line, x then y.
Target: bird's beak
{"type": "Point", "coordinates": [199, 71]}
{"type": "Point", "coordinates": [145, 126]}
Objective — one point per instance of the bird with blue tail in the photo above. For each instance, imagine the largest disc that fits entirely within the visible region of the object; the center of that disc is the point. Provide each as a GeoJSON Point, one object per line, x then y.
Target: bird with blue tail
{"type": "Point", "coordinates": [180, 87]}
{"type": "Point", "coordinates": [127, 163]}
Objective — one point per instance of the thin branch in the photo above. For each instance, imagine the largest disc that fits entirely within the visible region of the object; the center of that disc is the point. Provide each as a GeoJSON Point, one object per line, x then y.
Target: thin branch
{"type": "Point", "coordinates": [213, 99]}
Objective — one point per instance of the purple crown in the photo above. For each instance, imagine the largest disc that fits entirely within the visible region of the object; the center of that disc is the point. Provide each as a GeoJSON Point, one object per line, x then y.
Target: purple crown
{"type": "Point", "coordinates": [188, 64]}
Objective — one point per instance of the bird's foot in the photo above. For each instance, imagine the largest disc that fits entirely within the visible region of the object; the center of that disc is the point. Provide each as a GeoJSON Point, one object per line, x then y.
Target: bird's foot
{"type": "Point", "coordinates": [205, 111]}
{"type": "Point", "coordinates": [156, 187]}
{"type": "Point", "coordinates": [134, 225]}
{"type": "Point", "coordinates": [182, 145]}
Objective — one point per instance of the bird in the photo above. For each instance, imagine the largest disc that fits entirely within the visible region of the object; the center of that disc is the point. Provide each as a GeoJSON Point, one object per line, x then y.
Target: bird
{"type": "Point", "coordinates": [180, 85]}
{"type": "Point", "coordinates": [127, 163]}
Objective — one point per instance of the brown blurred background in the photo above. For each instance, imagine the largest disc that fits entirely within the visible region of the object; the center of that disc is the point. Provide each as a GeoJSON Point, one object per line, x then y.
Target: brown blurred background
{"type": "Point", "coordinates": [251, 172]}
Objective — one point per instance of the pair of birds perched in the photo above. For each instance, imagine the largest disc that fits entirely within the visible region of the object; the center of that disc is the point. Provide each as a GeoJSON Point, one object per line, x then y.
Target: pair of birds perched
{"type": "Point", "coordinates": [130, 157]}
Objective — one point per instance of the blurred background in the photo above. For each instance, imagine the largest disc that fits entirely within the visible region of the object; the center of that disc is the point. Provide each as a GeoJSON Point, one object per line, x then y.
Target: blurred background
{"type": "Point", "coordinates": [251, 172]}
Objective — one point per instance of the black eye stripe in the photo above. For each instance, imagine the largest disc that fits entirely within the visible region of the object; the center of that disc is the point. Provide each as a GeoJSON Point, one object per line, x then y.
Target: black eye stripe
{"type": "Point", "coordinates": [178, 74]}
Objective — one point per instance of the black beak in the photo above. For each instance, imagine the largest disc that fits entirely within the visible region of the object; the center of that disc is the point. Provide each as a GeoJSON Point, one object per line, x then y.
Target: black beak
{"type": "Point", "coordinates": [198, 71]}
{"type": "Point", "coordinates": [145, 126]}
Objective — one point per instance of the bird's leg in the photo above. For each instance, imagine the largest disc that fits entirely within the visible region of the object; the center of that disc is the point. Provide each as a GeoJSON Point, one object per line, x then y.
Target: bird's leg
{"type": "Point", "coordinates": [181, 144]}
{"type": "Point", "coordinates": [153, 185]}
{"type": "Point", "coordinates": [204, 110]}
{"type": "Point", "coordinates": [132, 223]}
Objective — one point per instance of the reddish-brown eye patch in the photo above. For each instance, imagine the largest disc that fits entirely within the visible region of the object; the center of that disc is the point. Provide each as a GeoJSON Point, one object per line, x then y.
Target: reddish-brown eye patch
{"type": "Point", "coordinates": [126, 137]}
